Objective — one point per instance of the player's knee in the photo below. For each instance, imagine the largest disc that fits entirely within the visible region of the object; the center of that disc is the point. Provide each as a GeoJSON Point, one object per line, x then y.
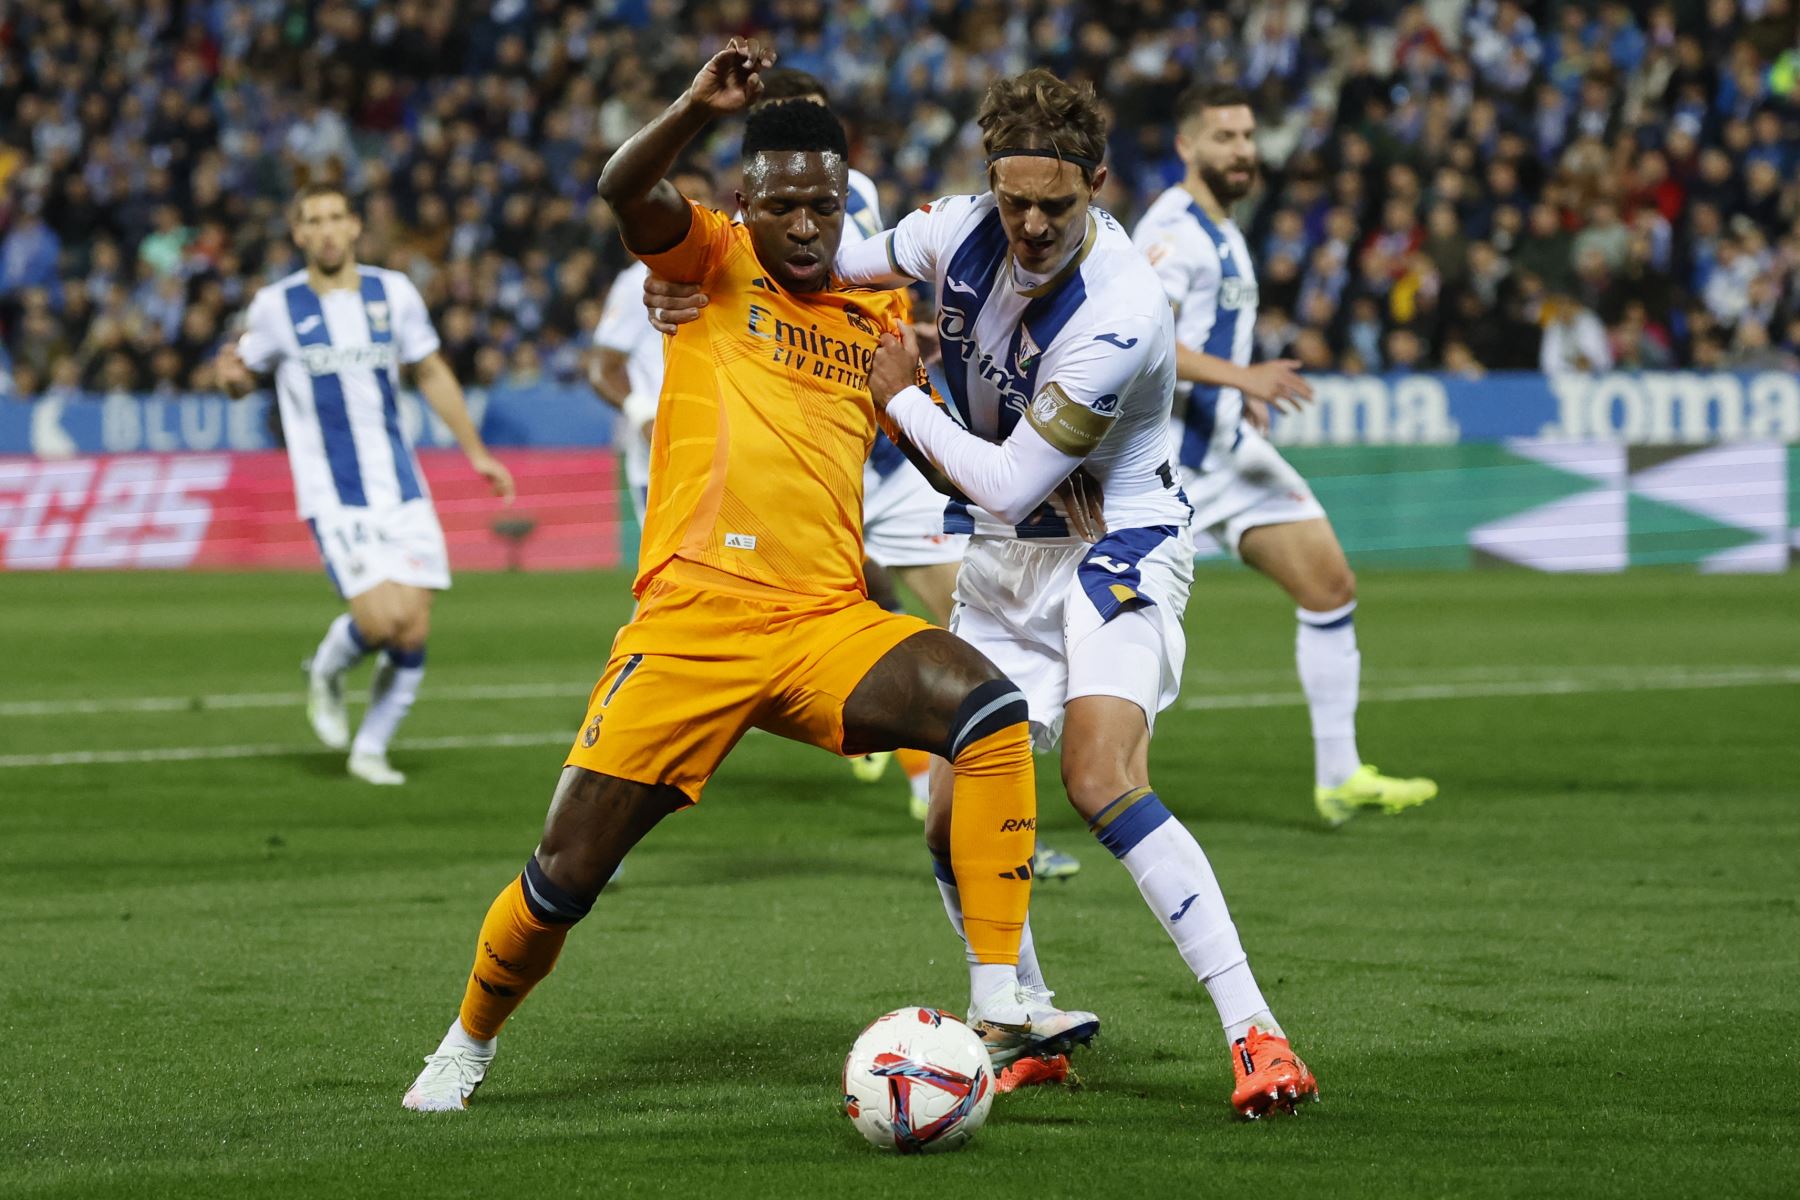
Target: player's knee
{"type": "Point", "coordinates": [990, 708]}
{"type": "Point", "coordinates": [1332, 587]}
{"type": "Point", "coordinates": [1093, 781]}
{"type": "Point", "coordinates": [410, 636]}
{"type": "Point", "coordinates": [559, 892]}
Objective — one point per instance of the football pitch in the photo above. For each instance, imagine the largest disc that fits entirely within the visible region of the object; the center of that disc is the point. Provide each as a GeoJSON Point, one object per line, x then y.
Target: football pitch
{"type": "Point", "coordinates": [1573, 974]}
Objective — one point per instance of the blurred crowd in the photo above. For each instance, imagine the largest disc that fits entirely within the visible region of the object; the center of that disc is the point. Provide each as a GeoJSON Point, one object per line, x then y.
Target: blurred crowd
{"type": "Point", "coordinates": [1465, 185]}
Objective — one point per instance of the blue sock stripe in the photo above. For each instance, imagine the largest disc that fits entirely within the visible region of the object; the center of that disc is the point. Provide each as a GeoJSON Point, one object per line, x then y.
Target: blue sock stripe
{"type": "Point", "coordinates": [356, 635]}
{"type": "Point", "coordinates": [940, 867]}
{"type": "Point", "coordinates": [1121, 825]}
{"type": "Point", "coordinates": [1331, 618]}
{"type": "Point", "coordinates": [548, 902]}
{"type": "Point", "coordinates": [407, 658]}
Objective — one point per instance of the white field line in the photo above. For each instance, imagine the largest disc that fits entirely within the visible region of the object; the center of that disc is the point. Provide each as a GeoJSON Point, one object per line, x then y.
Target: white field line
{"type": "Point", "coordinates": [575, 693]}
{"type": "Point", "coordinates": [1608, 681]}
{"type": "Point", "coordinates": [83, 758]}
{"type": "Point", "coordinates": [1651, 680]}
{"type": "Point", "coordinates": [1601, 678]}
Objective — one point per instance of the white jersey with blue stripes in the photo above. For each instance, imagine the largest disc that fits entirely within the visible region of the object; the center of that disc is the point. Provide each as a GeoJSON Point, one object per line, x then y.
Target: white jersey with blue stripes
{"type": "Point", "coordinates": [1206, 272]}
{"type": "Point", "coordinates": [1101, 332]}
{"type": "Point", "coordinates": [336, 359]}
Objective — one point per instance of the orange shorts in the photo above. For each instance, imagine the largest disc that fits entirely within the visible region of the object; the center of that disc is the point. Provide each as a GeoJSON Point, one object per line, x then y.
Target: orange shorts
{"type": "Point", "coordinates": [698, 666]}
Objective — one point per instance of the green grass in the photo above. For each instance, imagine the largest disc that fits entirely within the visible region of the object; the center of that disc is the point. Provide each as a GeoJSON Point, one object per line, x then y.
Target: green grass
{"type": "Point", "coordinates": [1573, 974]}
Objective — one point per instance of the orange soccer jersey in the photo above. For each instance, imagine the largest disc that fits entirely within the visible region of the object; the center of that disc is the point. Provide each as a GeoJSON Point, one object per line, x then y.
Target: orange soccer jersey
{"type": "Point", "coordinates": [756, 458]}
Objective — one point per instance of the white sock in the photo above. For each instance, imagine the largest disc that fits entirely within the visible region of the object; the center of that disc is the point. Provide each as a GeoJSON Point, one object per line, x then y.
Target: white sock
{"type": "Point", "coordinates": [982, 980]}
{"type": "Point", "coordinates": [391, 697]}
{"type": "Point", "coordinates": [1331, 673]}
{"type": "Point", "coordinates": [461, 1039]}
{"type": "Point", "coordinates": [342, 648]}
{"type": "Point", "coordinates": [1177, 882]}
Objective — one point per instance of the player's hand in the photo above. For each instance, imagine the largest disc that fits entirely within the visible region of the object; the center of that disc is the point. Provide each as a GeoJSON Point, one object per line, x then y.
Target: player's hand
{"type": "Point", "coordinates": [1080, 494]}
{"type": "Point", "coordinates": [731, 80]}
{"type": "Point", "coordinates": [231, 372]}
{"type": "Point", "coordinates": [1257, 413]}
{"type": "Point", "coordinates": [494, 471]}
{"type": "Point", "coordinates": [672, 305]}
{"type": "Point", "coordinates": [931, 345]}
{"type": "Point", "coordinates": [896, 367]}
{"type": "Point", "coordinates": [1277, 383]}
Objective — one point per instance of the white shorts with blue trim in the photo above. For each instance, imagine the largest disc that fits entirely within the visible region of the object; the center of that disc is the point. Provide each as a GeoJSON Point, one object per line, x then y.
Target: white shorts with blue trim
{"type": "Point", "coordinates": [1255, 486]}
{"type": "Point", "coordinates": [903, 521]}
{"type": "Point", "coordinates": [362, 547]}
{"type": "Point", "coordinates": [1064, 620]}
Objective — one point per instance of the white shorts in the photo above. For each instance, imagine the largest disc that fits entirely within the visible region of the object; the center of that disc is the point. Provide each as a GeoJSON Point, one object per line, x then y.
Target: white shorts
{"type": "Point", "coordinates": [1073, 620]}
{"type": "Point", "coordinates": [1256, 486]}
{"type": "Point", "coordinates": [903, 521]}
{"type": "Point", "coordinates": [366, 546]}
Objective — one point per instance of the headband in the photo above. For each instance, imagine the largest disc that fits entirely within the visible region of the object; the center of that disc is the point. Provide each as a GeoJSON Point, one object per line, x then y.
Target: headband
{"type": "Point", "coordinates": [1090, 165]}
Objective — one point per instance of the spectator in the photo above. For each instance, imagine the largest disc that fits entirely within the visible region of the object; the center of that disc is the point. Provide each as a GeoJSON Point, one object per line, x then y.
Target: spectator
{"type": "Point", "coordinates": [1574, 339]}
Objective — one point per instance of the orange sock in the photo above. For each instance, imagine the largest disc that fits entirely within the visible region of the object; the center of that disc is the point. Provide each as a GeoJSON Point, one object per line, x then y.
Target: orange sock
{"type": "Point", "coordinates": [516, 950]}
{"type": "Point", "coordinates": [993, 830]}
{"type": "Point", "coordinates": [914, 762]}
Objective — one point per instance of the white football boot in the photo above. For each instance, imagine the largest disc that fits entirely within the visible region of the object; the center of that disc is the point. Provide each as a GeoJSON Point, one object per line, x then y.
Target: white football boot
{"type": "Point", "coordinates": [1018, 1020]}
{"type": "Point", "coordinates": [373, 768]}
{"type": "Point", "coordinates": [325, 707]}
{"type": "Point", "coordinates": [451, 1074]}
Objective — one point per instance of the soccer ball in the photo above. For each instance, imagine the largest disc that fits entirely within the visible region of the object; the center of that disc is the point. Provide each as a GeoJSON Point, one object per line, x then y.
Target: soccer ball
{"type": "Point", "coordinates": [918, 1081]}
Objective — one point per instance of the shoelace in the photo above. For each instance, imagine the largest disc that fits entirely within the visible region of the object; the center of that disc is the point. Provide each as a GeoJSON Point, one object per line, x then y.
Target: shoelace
{"type": "Point", "coordinates": [468, 1069]}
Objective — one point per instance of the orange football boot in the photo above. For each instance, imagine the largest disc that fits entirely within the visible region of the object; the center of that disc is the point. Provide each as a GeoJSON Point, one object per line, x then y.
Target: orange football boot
{"type": "Point", "coordinates": [1269, 1076]}
{"type": "Point", "coordinates": [1035, 1072]}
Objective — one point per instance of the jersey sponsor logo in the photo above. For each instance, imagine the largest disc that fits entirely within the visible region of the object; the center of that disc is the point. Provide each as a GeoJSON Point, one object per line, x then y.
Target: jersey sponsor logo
{"type": "Point", "coordinates": [1236, 293]}
{"type": "Point", "coordinates": [307, 325]}
{"type": "Point", "coordinates": [1016, 824]}
{"type": "Point", "coordinates": [1113, 339]}
{"type": "Point", "coordinates": [1107, 405]}
{"type": "Point", "coordinates": [740, 541]}
{"type": "Point", "coordinates": [378, 315]}
{"type": "Point", "coordinates": [957, 285]}
{"type": "Point", "coordinates": [811, 350]}
{"type": "Point", "coordinates": [335, 360]}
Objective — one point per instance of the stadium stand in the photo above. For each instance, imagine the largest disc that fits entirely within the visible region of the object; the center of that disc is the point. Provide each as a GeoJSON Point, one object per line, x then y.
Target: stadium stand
{"type": "Point", "coordinates": [1449, 185]}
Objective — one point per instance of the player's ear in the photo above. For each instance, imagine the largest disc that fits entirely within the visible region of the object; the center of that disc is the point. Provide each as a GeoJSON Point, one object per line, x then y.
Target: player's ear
{"type": "Point", "coordinates": [743, 201]}
{"type": "Point", "coordinates": [1184, 147]}
{"type": "Point", "coordinates": [1098, 179]}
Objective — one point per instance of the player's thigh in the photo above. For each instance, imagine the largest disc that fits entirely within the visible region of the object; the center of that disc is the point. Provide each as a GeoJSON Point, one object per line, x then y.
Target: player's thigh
{"type": "Point", "coordinates": [866, 679]}
{"type": "Point", "coordinates": [1303, 557]}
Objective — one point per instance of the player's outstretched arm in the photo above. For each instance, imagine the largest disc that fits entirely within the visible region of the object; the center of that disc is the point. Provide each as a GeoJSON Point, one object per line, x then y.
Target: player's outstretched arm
{"type": "Point", "coordinates": [437, 383]}
{"type": "Point", "coordinates": [1009, 479]}
{"type": "Point", "coordinates": [653, 216]}
{"type": "Point", "coordinates": [1276, 382]}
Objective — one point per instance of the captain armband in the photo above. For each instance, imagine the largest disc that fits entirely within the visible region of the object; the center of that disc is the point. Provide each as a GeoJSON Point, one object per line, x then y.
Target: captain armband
{"type": "Point", "coordinates": [1074, 429]}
